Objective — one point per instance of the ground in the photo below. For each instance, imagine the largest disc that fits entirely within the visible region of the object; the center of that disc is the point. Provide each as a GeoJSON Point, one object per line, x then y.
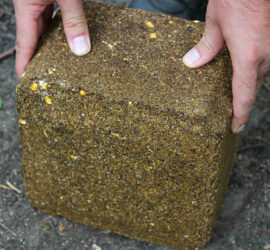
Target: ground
{"type": "Point", "coordinates": [244, 222]}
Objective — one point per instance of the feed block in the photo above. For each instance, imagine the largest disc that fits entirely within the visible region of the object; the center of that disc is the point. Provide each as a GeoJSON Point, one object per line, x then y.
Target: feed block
{"type": "Point", "coordinates": [127, 139]}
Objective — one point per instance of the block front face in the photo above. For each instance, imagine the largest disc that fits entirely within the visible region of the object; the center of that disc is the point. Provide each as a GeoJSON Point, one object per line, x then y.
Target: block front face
{"type": "Point", "coordinates": [127, 139]}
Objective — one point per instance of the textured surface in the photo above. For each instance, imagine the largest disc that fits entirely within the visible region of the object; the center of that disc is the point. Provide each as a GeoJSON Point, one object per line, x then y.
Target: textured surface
{"type": "Point", "coordinates": [244, 222]}
{"type": "Point", "coordinates": [127, 139]}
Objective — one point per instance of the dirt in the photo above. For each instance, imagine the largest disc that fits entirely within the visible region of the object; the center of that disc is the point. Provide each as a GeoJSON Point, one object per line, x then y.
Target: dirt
{"type": "Point", "coordinates": [244, 222]}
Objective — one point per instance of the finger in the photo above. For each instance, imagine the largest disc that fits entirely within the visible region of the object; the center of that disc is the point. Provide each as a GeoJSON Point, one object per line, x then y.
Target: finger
{"type": "Point", "coordinates": [244, 87]}
{"type": "Point", "coordinates": [75, 26]}
{"type": "Point", "coordinates": [27, 23]}
{"type": "Point", "coordinates": [208, 47]}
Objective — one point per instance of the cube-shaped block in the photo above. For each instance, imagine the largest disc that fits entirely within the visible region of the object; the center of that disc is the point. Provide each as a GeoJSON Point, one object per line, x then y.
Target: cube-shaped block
{"type": "Point", "coordinates": [127, 139]}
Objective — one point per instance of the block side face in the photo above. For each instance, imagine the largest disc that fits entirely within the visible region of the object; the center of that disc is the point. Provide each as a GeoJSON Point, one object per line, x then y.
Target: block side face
{"type": "Point", "coordinates": [121, 167]}
{"type": "Point", "coordinates": [228, 151]}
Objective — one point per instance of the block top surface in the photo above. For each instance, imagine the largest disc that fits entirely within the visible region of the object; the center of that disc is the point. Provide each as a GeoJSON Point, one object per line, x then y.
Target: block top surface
{"type": "Point", "coordinates": [136, 57]}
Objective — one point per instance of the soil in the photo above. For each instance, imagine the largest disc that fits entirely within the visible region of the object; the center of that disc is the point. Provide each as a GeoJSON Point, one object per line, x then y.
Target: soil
{"type": "Point", "coordinates": [244, 222]}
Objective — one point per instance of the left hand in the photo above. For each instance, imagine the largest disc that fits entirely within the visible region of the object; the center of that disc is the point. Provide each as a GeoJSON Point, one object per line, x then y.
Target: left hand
{"type": "Point", "coordinates": [32, 17]}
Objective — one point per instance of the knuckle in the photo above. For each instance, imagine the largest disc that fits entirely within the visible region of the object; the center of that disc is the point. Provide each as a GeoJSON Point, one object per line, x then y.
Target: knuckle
{"type": "Point", "coordinates": [74, 22]}
{"type": "Point", "coordinates": [252, 55]}
{"type": "Point", "coordinates": [206, 43]}
{"type": "Point", "coordinates": [22, 48]}
{"type": "Point", "coordinates": [248, 101]}
{"type": "Point", "coordinates": [250, 84]}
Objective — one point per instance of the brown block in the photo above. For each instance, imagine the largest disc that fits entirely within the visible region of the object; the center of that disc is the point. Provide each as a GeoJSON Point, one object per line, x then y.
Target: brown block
{"type": "Point", "coordinates": [127, 139]}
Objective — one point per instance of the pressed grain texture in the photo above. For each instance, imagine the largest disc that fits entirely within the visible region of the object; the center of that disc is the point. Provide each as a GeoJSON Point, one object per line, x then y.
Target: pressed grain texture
{"type": "Point", "coordinates": [127, 138]}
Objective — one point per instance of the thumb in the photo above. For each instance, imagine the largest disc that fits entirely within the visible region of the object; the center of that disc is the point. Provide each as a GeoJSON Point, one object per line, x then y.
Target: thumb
{"type": "Point", "coordinates": [208, 47]}
{"type": "Point", "coordinates": [75, 26]}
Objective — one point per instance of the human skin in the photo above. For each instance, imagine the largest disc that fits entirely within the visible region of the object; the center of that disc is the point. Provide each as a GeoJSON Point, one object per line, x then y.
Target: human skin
{"type": "Point", "coordinates": [243, 25]}
{"type": "Point", "coordinates": [32, 17]}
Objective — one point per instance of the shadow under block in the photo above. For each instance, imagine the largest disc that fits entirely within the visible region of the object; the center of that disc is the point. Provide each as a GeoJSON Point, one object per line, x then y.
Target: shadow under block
{"type": "Point", "coordinates": [127, 139]}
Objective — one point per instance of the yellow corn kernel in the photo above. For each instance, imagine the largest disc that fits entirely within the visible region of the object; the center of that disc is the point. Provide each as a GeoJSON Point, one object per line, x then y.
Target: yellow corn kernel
{"type": "Point", "coordinates": [150, 24]}
{"type": "Point", "coordinates": [115, 134]}
{"type": "Point", "coordinates": [48, 100]}
{"type": "Point", "coordinates": [153, 35]}
{"type": "Point", "coordinates": [34, 86]}
{"type": "Point", "coordinates": [43, 84]}
{"type": "Point", "coordinates": [82, 92]}
{"type": "Point", "coordinates": [171, 22]}
{"type": "Point", "coordinates": [21, 121]}
{"type": "Point", "coordinates": [73, 157]}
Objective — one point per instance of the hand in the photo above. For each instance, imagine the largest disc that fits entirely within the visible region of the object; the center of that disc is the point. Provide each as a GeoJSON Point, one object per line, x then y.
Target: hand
{"type": "Point", "coordinates": [32, 17]}
{"type": "Point", "coordinates": [245, 27]}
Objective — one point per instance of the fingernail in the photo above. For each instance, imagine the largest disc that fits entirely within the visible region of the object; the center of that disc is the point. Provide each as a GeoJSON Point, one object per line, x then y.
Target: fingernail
{"type": "Point", "coordinates": [80, 45]}
{"type": "Point", "coordinates": [240, 129]}
{"type": "Point", "coordinates": [191, 57]}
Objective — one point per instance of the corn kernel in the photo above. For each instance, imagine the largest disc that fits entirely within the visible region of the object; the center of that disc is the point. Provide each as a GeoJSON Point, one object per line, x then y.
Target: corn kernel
{"type": "Point", "coordinates": [125, 59]}
{"type": "Point", "coordinates": [48, 100]}
{"type": "Point", "coordinates": [150, 24]}
{"type": "Point", "coordinates": [153, 35]}
{"type": "Point", "coordinates": [152, 224]}
{"type": "Point", "coordinates": [34, 86]}
{"type": "Point", "coordinates": [43, 84]}
{"type": "Point", "coordinates": [171, 22]}
{"type": "Point", "coordinates": [21, 121]}
{"type": "Point", "coordinates": [73, 157]}
{"type": "Point", "coordinates": [82, 92]}
{"type": "Point", "coordinates": [115, 134]}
